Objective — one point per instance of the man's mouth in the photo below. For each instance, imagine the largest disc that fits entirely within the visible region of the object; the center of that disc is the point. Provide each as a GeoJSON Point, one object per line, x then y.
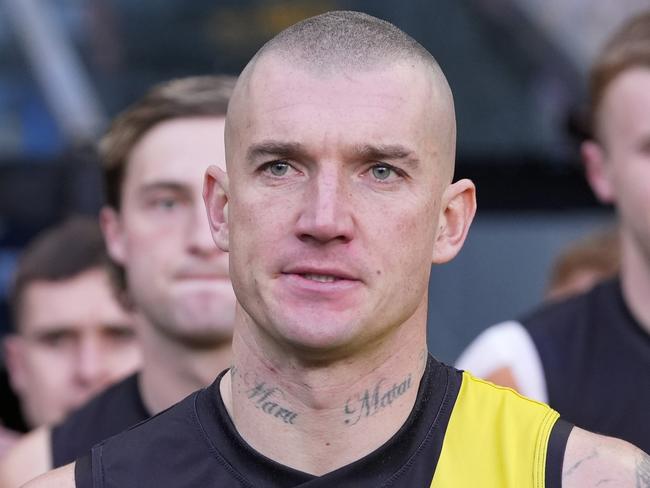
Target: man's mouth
{"type": "Point", "coordinates": [320, 278]}
{"type": "Point", "coordinates": [201, 277]}
{"type": "Point", "coordinates": [320, 282]}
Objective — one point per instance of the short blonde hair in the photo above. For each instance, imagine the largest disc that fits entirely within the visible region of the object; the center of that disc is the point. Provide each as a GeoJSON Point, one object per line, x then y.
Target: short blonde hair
{"type": "Point", "coordinates": [197, 96]}
{"type": "Point", "coordinates": [628, 48]}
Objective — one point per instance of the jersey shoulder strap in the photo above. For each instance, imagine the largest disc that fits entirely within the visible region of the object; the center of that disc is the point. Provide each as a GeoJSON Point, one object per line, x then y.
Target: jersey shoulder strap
{"type": "Point", "coordinates": [496, 438]}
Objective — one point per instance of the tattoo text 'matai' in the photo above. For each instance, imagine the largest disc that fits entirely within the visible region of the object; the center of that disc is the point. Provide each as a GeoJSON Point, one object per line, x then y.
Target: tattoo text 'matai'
{"type": "Point", "coordinates": [372, 401]}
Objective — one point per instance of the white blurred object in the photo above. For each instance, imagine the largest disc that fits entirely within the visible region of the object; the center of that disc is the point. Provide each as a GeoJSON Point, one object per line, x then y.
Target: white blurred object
{"type": "Point", "coordinates": [507, 345]}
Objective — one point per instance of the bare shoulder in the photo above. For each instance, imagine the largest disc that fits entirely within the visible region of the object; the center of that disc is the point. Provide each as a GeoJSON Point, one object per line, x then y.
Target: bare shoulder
{"type": "Point", "coordinates": [27, 459]}
{"type": "Point", "coordinates": [59, 478]}
{"type": "Point", "coordinates": [594, 460]}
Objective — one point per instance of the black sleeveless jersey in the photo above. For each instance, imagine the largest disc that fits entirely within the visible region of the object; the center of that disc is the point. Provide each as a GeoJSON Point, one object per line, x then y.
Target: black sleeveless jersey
{"type": "Point", "coordinates": [117, 408]}
{"type": "Point", "coordinates": [596, 360]}
{"type": "Point", "coordinates": [195, 444]}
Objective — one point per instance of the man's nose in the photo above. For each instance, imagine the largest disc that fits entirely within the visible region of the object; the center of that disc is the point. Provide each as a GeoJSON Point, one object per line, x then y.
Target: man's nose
{"type": "Point", "coordinates": [326, 209]}
{"type": "Point", "coordinates": [92, 368]}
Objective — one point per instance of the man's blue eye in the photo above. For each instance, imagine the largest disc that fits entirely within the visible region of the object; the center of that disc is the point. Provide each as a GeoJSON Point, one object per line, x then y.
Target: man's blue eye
{"type": "Point", "coordinates": [381, 172]}
{"type": "Point", "coordinates": [167, 204]}
{"type": "Point", "coordinates": [279, 168]}
{"type": "Point", "coordinates": [56, 339]}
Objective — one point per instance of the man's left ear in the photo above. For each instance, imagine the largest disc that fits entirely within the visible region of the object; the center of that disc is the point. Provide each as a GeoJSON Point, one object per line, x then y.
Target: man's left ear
{"type": "Point", "coordinates": [457, 210]}
{"type": "Point", "coordinates": [215, 196]}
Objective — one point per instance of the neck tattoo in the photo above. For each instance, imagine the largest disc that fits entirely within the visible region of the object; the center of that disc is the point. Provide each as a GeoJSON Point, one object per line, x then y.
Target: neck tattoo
{"type": "Point", "coordinates": [373, 400]}
{"type": "Point", "coordinates": [268, 399]}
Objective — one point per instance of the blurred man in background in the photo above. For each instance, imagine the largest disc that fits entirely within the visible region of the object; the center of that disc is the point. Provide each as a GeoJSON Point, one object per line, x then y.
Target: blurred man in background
{"type": "Point", "coordinates": [171, 272]}
{"type": "Point", "coordinates": [577, 269]}
{"type": "Point", "coordinates": [72, 336]}
{"type": "Point", "coordinates": [589, 357]}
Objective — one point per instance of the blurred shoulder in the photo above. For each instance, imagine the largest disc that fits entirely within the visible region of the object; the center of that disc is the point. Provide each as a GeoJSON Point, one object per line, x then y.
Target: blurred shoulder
{"type": "Point", "coordinates": [594, 460]}
{"type": "Point", "coordinates": [27, 459]}
{"type": "Point", "coordinates": [59, 478]}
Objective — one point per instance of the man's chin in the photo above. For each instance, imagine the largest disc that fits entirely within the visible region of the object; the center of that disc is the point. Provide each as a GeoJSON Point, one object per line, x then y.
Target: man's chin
{"type": "Point", "coordinates": [203, 287]}
{"type": "Point", "coordinates": [317, 337]}
{"type": "Point", "coordinates": [198, 336]}
{"type": "Point", "coordinates": [201, 300]}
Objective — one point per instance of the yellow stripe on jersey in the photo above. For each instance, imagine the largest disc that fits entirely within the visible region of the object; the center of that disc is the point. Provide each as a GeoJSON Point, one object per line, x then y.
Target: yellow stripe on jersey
{"type": "Point", "coordinates": [496, 438]}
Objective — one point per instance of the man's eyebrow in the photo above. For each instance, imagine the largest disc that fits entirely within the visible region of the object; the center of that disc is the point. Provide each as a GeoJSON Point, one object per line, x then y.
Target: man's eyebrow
{"type": "Point", "coordinates": [644, 142]}
{"type": "Point", "coordinates": [162, 186]}
{"type": "Point", "coordinates": [380, 152]}
{"type": "Point", "coordinates": [275, 149]}
{"type": "Point", "coordinates": [52, 330]}
{"type": "Point", "coordinates": [116, 327]}
{"type": "Point", "coordinates": [388, 152]}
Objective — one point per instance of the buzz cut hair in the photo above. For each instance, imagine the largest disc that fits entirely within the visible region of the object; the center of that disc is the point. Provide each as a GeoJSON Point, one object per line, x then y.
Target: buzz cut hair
{"type": "Point", "coordinates": [345, 39]}
{"type": "Point", "coordinates": [345, 42]}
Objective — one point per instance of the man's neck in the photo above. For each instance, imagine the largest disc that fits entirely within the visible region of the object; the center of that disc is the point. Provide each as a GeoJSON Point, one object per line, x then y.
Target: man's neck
{"type": "Point", "coordinates": [635, 280]}
{"type": "Point", "coordinates": [171, 370]}
{"type": "Point", "coordinates": [317, 417]}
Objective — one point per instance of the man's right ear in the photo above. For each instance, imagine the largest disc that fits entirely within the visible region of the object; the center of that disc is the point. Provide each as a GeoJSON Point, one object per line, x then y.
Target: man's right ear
{"type": "Point", "coordinates": [114, 236]}
{"type": "Point", "coordinates": [14, 352]}
{"type": "Point", "coordinates": [215, 196]}
{"type": "Point", "coordinates": [597, 170]}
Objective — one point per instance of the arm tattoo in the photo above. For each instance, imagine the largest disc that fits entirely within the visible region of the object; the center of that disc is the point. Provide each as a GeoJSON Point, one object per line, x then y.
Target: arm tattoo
{"type": "Point", "coordinates": [373, 400]}
{"type": "Point", "coordinates": [569, 471]}
{"type": "Point", "coordinates": [643, 472]}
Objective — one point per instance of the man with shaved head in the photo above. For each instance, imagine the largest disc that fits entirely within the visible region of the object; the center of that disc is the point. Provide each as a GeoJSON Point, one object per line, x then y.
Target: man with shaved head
{"type": "Point", "coordinates": [337, 199]}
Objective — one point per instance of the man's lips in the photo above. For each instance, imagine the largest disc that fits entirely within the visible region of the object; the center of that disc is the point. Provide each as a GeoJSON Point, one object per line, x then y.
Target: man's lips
{"type": "Point", "coordinates": [201, 277]}
{"type": "Point", "coordinates": [202, 271]}
{"type": "Point", "coordinates": [321, 274]}
{"type": "Point", "coordinates": [320, 278]}
{"type": "Point", "coordinates": [318, 283]}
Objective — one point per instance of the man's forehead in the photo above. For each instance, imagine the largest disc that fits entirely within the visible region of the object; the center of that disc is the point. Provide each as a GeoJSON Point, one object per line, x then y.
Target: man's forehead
{"type": "Point", "coordinates": [176, 151]}
{"type": "Point", "coordinates": [84, 300]}
{"type": "Point", "coordinates": [626, 101]}
{"type": "Point", "coordinates": [275, 87]}
{"type": "Point", "coordinates": [276, 98]}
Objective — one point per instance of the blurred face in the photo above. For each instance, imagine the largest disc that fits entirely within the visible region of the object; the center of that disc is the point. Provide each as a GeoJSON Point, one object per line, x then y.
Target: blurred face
{"type": "Point", "coordinates": [625, 149]}
{"type": "Point", "coordinates": [334, 190]}
{"type": "Point", "coordinates": [177, 277]}
{"type": "Point", "coordinates": [74, 340]}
